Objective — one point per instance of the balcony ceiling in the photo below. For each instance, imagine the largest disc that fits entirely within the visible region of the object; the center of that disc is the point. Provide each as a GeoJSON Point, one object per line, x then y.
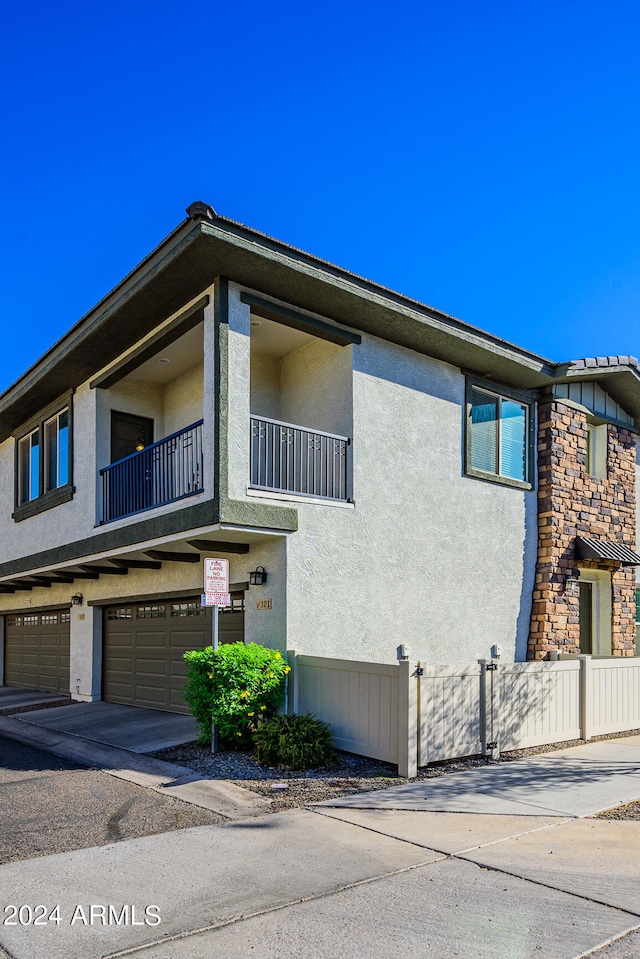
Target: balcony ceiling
{"type": "Point", "coordinates": [274, 339]}
{"type": "Point", "coordinates": [183, 355]}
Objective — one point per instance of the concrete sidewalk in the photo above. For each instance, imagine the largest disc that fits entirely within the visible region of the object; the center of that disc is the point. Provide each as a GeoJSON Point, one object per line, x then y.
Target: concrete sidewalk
{"type": "Point", "coordinates": [310, 884]}
{"type": "Point", "coordinates": [578, 781]}
{"type": "Point", "coordinates": [352, 881]}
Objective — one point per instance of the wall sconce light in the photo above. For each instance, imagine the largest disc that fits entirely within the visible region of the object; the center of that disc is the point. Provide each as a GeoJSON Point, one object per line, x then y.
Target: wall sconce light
{"type": "Point", "coordinates": [258, 577]}
{"type": "Point", "coordinates": [76, 599]}
{"type": "Point", "coordinates": [571, 584]}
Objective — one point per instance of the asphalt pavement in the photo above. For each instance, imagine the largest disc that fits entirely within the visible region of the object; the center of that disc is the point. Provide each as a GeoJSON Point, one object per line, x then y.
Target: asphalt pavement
{"type": "Point", "coordinates": [49, 805]}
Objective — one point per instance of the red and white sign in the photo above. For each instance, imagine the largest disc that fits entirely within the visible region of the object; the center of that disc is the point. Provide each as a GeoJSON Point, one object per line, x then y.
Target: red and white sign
{"type": "Point", "coordinates": [216, 575]}
{"type": "Point", "coordinates": [215, 599]}
{"type": "Point", "coordinates": [216, 583]}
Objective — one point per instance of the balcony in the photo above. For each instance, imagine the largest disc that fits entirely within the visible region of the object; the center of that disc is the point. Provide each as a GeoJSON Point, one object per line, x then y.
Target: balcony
{"type": "Point", "coordinates": [164, 472]}
{"type": "Point", "coordinates": [289, 459]}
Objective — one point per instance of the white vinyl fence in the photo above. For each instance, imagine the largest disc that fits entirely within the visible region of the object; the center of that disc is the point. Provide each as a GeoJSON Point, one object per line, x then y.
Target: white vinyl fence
{"type": "Point", "coordinates": [359, 700]}
{"type": "Point", "coordinates": [413, 714]}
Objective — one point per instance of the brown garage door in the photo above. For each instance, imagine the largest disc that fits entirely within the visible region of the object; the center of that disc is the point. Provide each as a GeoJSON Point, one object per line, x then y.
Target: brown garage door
{"type": "Point", "coordinates": [144, 643]}
{"type": "Point", "coordinates": [37, 651]}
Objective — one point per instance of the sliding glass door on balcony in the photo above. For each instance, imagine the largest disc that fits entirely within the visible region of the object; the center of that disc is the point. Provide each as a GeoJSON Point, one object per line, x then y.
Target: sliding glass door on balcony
{"type": "Point", "coordinates": [162, 473]}
{"type": "Point", "coordinates": [289, 459]}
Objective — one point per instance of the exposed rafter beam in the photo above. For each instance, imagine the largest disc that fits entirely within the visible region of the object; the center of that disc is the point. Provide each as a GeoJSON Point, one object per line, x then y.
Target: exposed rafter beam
{"type": "Point", "coordinates": [61, 577]}
{"type": "Point", "coordinates": [173, 557]}
{"type": "Point", "coordinates": [106, 570]}
{"type": "Point", "coordinates": [84, 574]}
{"type": "Point", "coordinates": [217, 546]}
{"type": "Point", "coordinates": [16, 585]}
{"type": "Point", "coordinates": [39, 581]}
{"type": "Point", "coordinates": [137, 563]}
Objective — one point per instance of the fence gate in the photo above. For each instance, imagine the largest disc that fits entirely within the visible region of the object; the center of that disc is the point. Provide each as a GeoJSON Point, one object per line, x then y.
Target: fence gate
{"type": "Point", "coordinates": [450, 712]}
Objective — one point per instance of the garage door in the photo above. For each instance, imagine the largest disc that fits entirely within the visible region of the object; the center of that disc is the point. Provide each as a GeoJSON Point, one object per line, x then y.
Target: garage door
{"type": "Point", "coordinates": [144, 644]}
{"type": "Point", "coordinates": [37, 651]}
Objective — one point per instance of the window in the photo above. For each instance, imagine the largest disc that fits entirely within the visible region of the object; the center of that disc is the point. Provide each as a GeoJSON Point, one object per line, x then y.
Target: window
{"type": "Point", "coordinates": [150, 612]}
{"type": "Point", "coordinates": [56, 451]}
{"type": "Point", "coordinates": [43, 462]}
{"type": "Point", "coordinates": [595, 463]}
{"type": "Point", "coordinates": [187, 609]}
{"type": "Point", "coordinates": [498, 436]}
{"type": "Point", "coordinates": [119, 613]}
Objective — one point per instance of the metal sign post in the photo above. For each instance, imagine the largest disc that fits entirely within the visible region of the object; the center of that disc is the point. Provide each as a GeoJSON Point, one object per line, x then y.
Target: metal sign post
{"type": "Point", "coordinates": [214, 643]}
{"type": "Point", "coordinates": [216, 594]}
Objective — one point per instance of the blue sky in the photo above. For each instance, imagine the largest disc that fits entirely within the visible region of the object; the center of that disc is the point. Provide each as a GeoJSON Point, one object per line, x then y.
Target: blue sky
{"type": "Point", "coordinates": [482, 157]}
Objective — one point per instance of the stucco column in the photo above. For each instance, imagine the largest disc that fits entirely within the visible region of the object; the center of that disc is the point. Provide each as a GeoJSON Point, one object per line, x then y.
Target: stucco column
{"type": "Point", "coordinates": [237, 373]}
{"type": "Point", "coordinates": [209, 397]}
{"type": "Point", "coordinates": [85, 675]}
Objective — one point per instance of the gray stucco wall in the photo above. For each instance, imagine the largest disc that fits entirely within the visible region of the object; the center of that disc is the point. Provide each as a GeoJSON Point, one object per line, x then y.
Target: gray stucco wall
{"type": "Point", "coordinates": [310, 387]}
{"type": "Point", "coordinates": [427, 556]}
{"type": "Point", "coordinates": [267, 626]}
{"type": "Point", "coordinates": [183, 400]}
{"type": "Point", "coordinates": [236, 418]}
{"type": "Point", "coordinates": [316, 387]}
{"type": "Point", "coordinates": [265, 385]}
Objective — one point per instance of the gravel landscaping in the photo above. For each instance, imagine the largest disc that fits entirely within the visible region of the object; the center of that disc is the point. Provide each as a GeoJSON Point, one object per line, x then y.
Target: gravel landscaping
{"type": "Point", "coordinates": [630, 810]}
{"type": "Point", "coordinates": [352, 774]}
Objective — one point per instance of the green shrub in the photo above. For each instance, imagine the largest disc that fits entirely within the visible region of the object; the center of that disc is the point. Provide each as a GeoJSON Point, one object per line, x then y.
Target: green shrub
{"type": "Point", "coordinates": [300, 742]}
{"type": "Point", "coordinates": [236, 687]}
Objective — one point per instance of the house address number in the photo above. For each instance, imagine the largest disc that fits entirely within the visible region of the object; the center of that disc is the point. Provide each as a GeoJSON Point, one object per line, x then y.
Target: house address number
{"type": "Point", "coordinates": [263, 604]}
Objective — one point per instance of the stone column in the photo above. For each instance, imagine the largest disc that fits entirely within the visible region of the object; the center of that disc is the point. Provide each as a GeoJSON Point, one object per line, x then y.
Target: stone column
{"type": "Point", "coordinates": [573, 503]}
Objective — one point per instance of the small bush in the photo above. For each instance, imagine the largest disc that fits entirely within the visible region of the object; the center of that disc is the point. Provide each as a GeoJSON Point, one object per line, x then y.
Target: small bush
{"type": "Point", "coordinates": [236, 688]}
{"type": "Point", "coordinates": [300, 742]}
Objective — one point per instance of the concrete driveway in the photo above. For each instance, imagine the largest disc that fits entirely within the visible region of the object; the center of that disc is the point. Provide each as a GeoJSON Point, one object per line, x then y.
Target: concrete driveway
{"type": "Point", "coordinates": [13, 698]}
{"type": "Point", "coordinates": [127, 727]}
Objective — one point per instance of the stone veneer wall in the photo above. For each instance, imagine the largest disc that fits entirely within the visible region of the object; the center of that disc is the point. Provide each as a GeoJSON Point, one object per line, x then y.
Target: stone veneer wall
{"type": "Point", "coordinates": [572, 503]}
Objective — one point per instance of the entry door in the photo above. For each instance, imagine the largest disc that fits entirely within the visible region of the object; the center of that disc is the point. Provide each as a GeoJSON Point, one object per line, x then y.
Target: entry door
{"type": "Point", "coordinates": [586, 617]}
{"type": "Point", "coordinates": [129, 434]}
{"type": "Point", "coordinates": [135, 479]}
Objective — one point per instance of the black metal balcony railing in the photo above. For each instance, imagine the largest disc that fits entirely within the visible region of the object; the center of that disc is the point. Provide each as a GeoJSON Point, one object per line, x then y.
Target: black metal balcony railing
{"type": "Point", "coordinates": [289, 459]}
{"type": "Point", "coordinates": [161, 473]}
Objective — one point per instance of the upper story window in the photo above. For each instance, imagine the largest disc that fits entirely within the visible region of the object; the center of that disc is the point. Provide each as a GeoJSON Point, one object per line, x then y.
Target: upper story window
{"type": "Point", "coordinates": [43, 459]}
{"type": "Point", "coordinates": [499, 431]}
{"type": "Point", "coordinates": [596, 449]}
{"type": "Point", "coordinates": [43, 462]}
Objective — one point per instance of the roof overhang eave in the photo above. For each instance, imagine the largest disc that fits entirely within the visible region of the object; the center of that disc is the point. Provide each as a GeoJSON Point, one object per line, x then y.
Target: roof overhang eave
{"type": "Point", "coordinates": [188, 261]}
{"type": "Point", "coordinates": [622, 383]}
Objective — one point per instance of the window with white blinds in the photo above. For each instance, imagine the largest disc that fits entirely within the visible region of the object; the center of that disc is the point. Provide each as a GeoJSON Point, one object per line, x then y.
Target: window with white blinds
{"type": "Point", "coordinates": [498, 441]}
